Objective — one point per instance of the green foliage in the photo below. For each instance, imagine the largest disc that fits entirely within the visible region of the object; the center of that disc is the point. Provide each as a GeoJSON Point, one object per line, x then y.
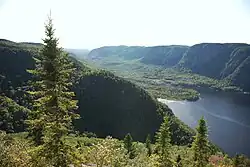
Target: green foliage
{"type": "Point", "coordinates": [125, 96]}
{"type": "Point", "coordinates": [128, 145]}
{"type": "Point", "coordinates": [236, 161]}
{"type": "Point", "coordinates": [240, 161]}
{"type": "Point", "coordinates": [51, 119]}
{"type": "Point", "coordinates": [148, 145]}
{"type": "Point", "coordinates": [161, 82]}
{"type": "Point", "coordinates": [230, 61]}
{"type": "Point", "coordinates": [53, 110]}
{"type": "Point", "coordinates": [157, 55]}
{"type": "Point", "coordinates": [178, 161]}
{"type": "Point", "coordinates": [12, 115]}
{"type": "Point", "coordinates": [126, 102]}
{"type": "Point", "coordinates": [13, 152]}
{"type": "Point", "coordinates": [88, 85]}
{"type": "Point", "coordinates": [200, 146]}
{"type": "Point", "coordinates": [108, 152]}
{"type": "Point", "coordinates": [180, 133]}
{"type": "Point", "coordinates": [142, 113]}
{"type": "Point", "coordinates": [163, 139]}
{"type": "Point", "coordinates": [143, 160]}
{"type": "Point", "coordinates": [105, 152]}
{"type": "Point", "coordinates": [29, 47]}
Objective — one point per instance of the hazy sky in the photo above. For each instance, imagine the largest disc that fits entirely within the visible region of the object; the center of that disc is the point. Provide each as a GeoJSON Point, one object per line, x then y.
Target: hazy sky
{"type": "Point", "coordinates": [94, 23]}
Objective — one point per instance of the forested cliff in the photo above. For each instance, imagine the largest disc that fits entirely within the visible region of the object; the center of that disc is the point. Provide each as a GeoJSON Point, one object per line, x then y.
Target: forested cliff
{"type": "Point", "coordinates": [220, 61]}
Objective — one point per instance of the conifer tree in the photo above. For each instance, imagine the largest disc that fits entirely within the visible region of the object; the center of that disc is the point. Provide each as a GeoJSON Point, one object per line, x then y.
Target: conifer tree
{"type": "Point", "coordinates": [200, 145]}
{"type": "Point", "coordinates": [128, 145]}
{"type": "Point", "coordinates": [163, 139]}
{"type": "Point", "coordinates": [51, 119]}
{"type": "Point", "coordinates": [148, 144]}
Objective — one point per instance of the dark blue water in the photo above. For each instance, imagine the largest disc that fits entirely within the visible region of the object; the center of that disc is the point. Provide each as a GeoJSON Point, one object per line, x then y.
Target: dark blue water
{"type": "Point", "coordinates": [227, 115]}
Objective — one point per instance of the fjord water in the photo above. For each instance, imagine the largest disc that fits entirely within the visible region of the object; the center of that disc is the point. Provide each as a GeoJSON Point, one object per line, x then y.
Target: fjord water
{"type": "Point", "coordinates": [227, 115]}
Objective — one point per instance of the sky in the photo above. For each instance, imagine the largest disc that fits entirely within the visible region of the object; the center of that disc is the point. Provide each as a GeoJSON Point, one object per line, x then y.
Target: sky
{"type": "Point", "coordinates": [94, 23]}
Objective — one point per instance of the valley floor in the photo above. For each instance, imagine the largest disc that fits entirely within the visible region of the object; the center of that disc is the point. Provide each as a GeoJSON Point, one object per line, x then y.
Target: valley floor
{"type": "Point", "coordinates": [161, 82]}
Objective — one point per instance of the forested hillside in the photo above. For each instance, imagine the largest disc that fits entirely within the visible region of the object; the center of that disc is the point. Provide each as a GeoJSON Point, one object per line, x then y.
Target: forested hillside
{"type": "Point", "coordinates": [108, 105]}
{"type": "Point", "coordinates": [166, 56]}
{"type": "Point", "coordinates": [218, 61]}
{"type": "Point", "coordinates": [230, 61]}
{"type": "Point", "coordinates": [157, 55]}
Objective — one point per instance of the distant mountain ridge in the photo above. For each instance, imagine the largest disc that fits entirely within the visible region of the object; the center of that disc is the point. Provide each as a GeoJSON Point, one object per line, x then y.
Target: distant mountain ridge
{"type": "Point", "coordinates": [216, 60]}
{"type": "Point", "coordinates": [157, 55]}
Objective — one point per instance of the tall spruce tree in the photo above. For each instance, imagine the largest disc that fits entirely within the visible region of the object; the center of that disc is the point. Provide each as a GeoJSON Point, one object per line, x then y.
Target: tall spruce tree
{"type": "Point", "coordinates": [128, 145]}
{"type": "Point", "coordinates": [51, 119]}
{"type": "Point", "coordinates": [148, 144]}
{"type": "Point", "coordinates": [163, 139]}
{"type": "Point", "coordinates": [200, 145]}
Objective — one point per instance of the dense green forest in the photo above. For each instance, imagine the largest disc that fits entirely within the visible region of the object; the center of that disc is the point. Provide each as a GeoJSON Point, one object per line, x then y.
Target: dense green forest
{"type": "Point", "coordinates": [230, 60]}
{"type": "Point", "coordinates": [126, 102]}
{"type": "Point", "coordinates": [161, 70]}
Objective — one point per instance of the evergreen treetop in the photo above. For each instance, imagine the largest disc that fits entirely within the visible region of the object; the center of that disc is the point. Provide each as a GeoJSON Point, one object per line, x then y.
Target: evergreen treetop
{"type": "Point", "coordinates": [163, 145]}
{"type": "Point", "coordinates": [51, 119]}
{"type": "Point", "coordinates": [128, 145]}
{"type": "Point", "coordinates": [200, 146]}
{"type": "Point", "coordinates": [148, 144]}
